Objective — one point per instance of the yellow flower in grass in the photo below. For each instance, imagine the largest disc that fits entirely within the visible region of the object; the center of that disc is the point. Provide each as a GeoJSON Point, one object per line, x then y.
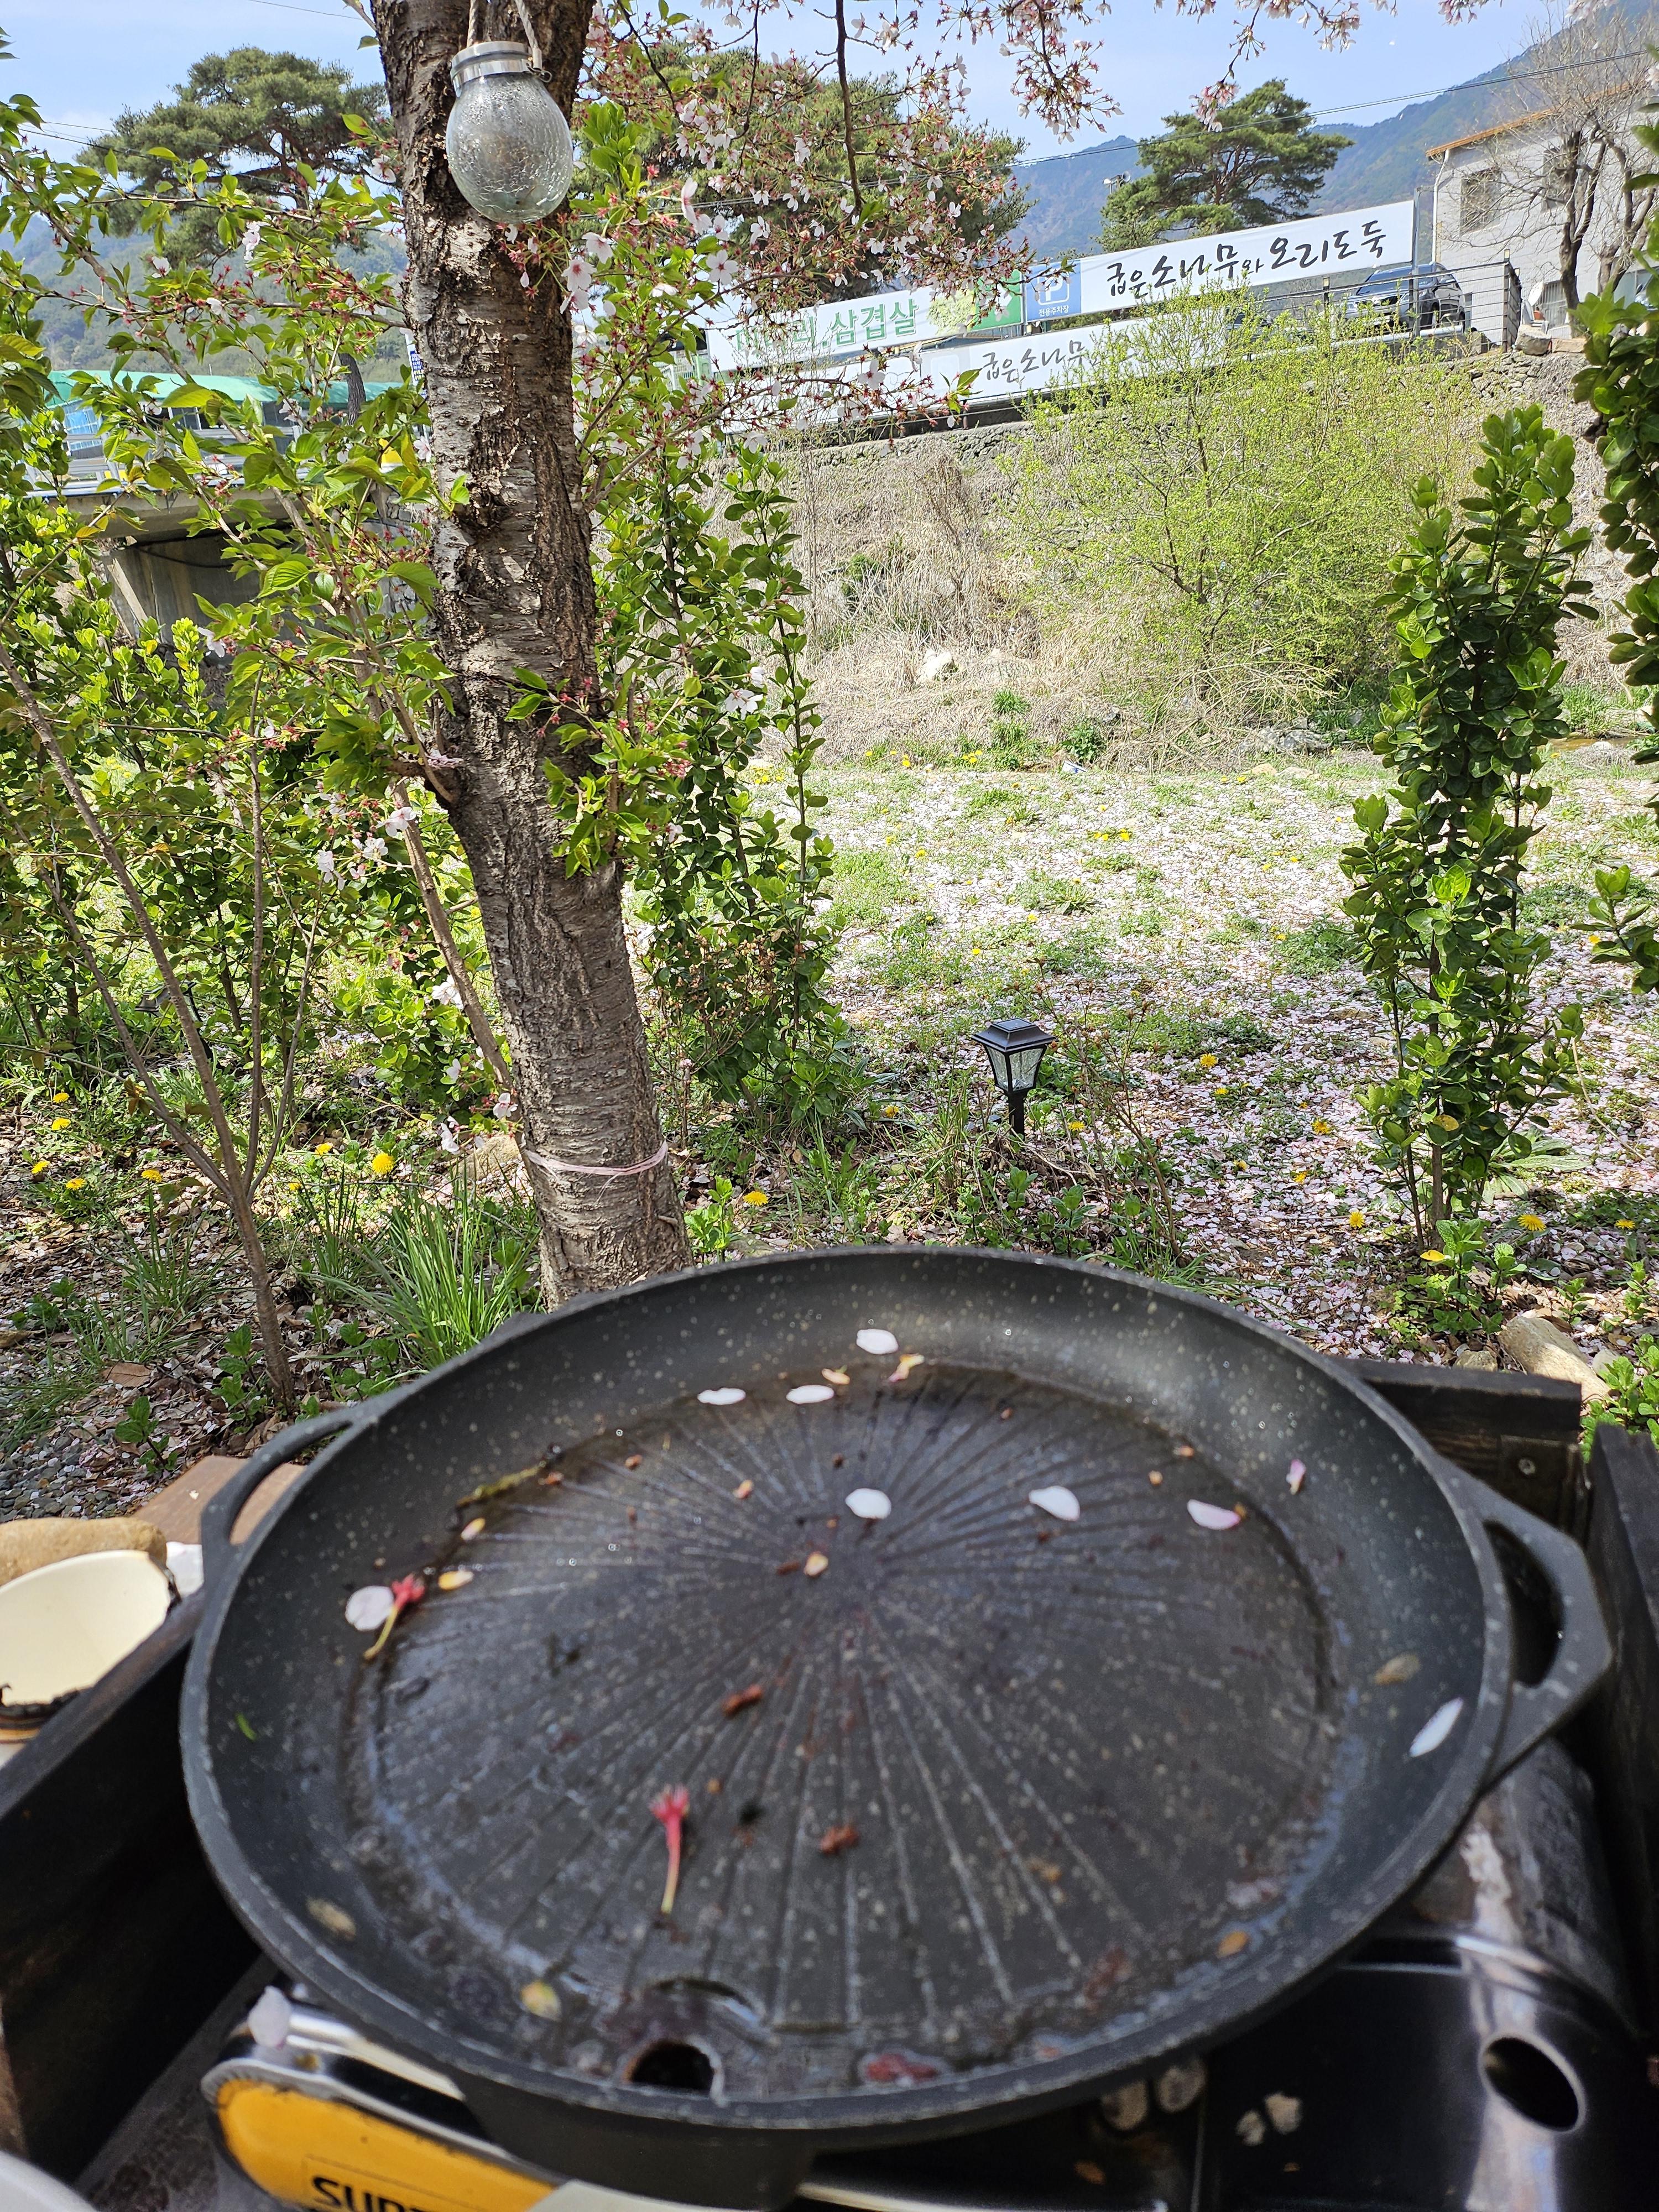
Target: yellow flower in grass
{"type": "Point", "coordinates": [755, 1198]}
{"type": "Point", "coordinates": [1301, 1176]}
{"type": "Point", "coordinates": [1206, 1060]}
{"type": "Point", "coordinates": [60, 1098]}
{"type": "Point", "coordinates": [1075, 1126]}
{"type": "Point", "coordinates": [1438, 1258]}
{"type": "Point", "coordinates": [61, 1122]}
{"type": "Point", "coordinates": [326, 1146]}
{"type": "Point", "coordinates": [1356, 1219]}
{"type": "Point", "coordinates": [1321, 1128]}
{"type": "Point", "coordinates": [76, 1182]}
{"type": "Point", "coordinates": [1624, 1225]}
{"type": "Point", "coordinates": [1532, 1223]}
{"type": "Point", "coordinates": [150, 1174]}
{"type": "Point", "coordinates": [382, 1163]}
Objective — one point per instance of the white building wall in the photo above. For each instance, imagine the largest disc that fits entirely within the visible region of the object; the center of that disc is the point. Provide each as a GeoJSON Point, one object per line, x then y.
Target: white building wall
{"type": "Point", "coordinates": [1489, 208]}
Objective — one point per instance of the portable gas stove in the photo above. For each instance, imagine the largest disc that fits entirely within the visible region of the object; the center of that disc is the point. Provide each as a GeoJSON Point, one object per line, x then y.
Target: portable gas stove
{"type": "Point", "coordinates": [1479, 2052]}
{"type": "Point", "coordinates": [1482, 2052]}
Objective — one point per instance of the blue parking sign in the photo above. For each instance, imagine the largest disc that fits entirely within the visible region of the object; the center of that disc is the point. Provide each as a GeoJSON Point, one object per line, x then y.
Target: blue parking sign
{"type": "Point", "coordinates": [1051, 293]}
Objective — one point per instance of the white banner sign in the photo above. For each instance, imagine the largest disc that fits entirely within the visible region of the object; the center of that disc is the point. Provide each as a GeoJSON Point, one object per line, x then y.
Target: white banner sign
{"type": "Point", "coordinates": [1347, 246]}
{"type": "Point", "coordinates": [1343, 246]}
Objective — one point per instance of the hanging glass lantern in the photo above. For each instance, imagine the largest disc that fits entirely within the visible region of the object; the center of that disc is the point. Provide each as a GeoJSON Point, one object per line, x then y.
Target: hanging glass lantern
{"type": "Point", "coordinates": [508, 142]}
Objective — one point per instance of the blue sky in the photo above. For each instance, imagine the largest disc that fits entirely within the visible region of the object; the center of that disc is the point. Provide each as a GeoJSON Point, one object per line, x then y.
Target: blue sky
{"type": "Point", "coordinates": [84, 59]}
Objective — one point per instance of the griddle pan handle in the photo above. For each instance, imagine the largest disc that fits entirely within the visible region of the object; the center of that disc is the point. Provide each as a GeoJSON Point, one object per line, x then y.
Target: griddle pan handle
{"type": "Point", "coordinates": [219, 1515]}
{"type": "Point", "coordinates": [1583, 1651]}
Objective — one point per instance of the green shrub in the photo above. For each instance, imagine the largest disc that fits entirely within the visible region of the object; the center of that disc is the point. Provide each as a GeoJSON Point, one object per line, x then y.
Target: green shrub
{"type": "Point", "coordinates": [1439, 872]}
{"type": "Point", "coordinates": [1217, 499]}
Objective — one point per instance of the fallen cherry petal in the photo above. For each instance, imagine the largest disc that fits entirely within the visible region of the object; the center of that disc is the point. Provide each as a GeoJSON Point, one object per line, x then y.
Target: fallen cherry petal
{"type": "Point", "coordinates": [541, 1999]}
{"type": "Point", "coordinates": [1400, 1668]}
{"type": "Point", "coordinates": [1235, 1940]}
{"type": "Point", "coordinates": [1154, 1475]}
{"type": "Point", "coordinates": [838, 1375]}
{"type": "Point", "coordinates": [1295, 1478]}
{"type": "Point", "coordinates": [334, 1917]}
{"type": "Point", "coordinates": [367, 1609]}
{"type": "Point", "coordinates": [1212, 1516]}
{"type": "Point", "coordinates": [744, 1489]}
{"type": "Point", "coordinates": [869, 1505]}
{"type": "Point", "coordinates": [1185, 1451]}
{"type": "Point", "coordinates": [455, 1578]}
{"type": "Point", "coordinates": [809, 1394]}
{"type": "Point", "coordinates": [472, 1530]}
{"type": "Point", "coordinates": [633, 1460]}
{"type": "Point", "coordinates": [1435, 1730]}
{"type": "Point", "coordinates": [1058, 1500]}
{"type": "Point", "coordinates": [791, 1566]}
{"type": "Point", "coordinates": [816, 1562]}
{"type": "Point", "coordinates": [877, 1340]}
{"type": "Point", "coordinates": [840, 1837]}
{"type": "Point", "coordinates": [721, 1397]}
{"type": "Point", "coordinates": [908, 1360]}
{"type": "Point", "coordinates": [739, 1699]}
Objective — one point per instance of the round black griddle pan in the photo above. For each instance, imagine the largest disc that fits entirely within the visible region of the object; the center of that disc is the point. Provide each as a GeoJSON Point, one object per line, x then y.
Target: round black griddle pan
{"type": "Point", "coordinates": [988, 1809]}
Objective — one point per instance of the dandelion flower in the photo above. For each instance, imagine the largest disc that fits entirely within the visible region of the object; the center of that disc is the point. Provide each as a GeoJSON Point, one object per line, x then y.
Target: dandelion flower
{"type": "Point", "coordinates": [1356, 1219]}
{"type": "Point", "coordinates": [154, 1175]}
{"type": "Point", "coordinates": [1616, 1225]}
{"type": "Point", "coordinates": [1532, 1223]}
{"type": "Point", "coordinates": [755, 1198]}
{"type": "Point", "coordinates": [1301, 1176]}
{"type": "Point", "coordinates": [39, 1167]}
{"type": "Point", "coordinates": [382, 1163]}
{"type": "Point", "coordinates": [60, 1098]}
{"type": "Point", "coordinates": [1075, 1126]}
{"type": "Point", "coordinates": [326, 1146]}
{"type": "Point", "coordinates": [61, 1122]}
{"type": "Point", "coordinates": [76, 1182]}
{"type": "Point", "coordinates": [1221, 1091]}
{"type": "Point", "coordinates": [1438, 1258]}
{"type": "Point", "coordinates": [1206, 1060]}
{"type": "Point", "coordinates": [1321, 1128]}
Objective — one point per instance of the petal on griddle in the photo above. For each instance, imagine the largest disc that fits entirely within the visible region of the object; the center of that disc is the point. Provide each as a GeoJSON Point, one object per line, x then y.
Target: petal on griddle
{"type": "Point", "coordinates": [1212, 1516]}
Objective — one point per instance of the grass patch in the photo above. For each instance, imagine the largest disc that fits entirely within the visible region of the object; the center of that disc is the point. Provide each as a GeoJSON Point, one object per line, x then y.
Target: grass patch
{"type": "Point", "coordinates": [1046, 894]}
{"type": "Point", "coordinates": [1320, 948]}
{"type": "Point", "coordinates": [1012, 806]}
{"type": "Point", "coordinates": [868, 884]}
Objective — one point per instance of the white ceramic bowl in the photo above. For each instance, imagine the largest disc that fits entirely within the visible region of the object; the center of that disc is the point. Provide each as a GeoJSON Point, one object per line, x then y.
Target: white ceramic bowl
{"type": "Point", "coordinates": [63, 1626]}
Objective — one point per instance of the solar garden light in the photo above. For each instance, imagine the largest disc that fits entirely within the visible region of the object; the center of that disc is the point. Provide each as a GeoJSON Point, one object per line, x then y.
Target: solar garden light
{"type": "Point", "coordinates": [507, 141]}
{"type": "Point", "coordinates": [1015, 1050]}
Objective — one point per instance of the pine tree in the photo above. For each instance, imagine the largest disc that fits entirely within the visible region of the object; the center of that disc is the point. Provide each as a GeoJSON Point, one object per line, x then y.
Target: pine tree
{"type": "Point", "coordinates": [1257, 160]}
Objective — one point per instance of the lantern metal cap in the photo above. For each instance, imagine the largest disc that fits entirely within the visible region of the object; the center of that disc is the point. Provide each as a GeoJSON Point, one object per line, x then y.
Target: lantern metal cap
{"type": "Point", "coordinates": [489, 58]}
{"type": "Point", "coordinates": [1012, 1034]}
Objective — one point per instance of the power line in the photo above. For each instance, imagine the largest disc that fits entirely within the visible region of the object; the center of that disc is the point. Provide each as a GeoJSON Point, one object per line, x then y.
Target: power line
{"type": "Point", "coordinates": [1476, 84]}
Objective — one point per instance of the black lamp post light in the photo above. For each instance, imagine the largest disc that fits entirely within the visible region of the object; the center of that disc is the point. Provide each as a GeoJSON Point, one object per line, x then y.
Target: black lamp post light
{"type": "Point", "coordinates": [1015, 1050]}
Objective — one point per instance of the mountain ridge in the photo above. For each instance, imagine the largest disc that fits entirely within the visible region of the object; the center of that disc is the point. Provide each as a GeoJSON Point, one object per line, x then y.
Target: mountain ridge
{"type": "Point", "coordinates": [1384, 161]}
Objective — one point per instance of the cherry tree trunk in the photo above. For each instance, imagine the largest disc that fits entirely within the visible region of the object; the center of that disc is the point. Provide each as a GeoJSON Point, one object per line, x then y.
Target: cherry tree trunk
{"type": "Point", "coordinates": [515, 590]}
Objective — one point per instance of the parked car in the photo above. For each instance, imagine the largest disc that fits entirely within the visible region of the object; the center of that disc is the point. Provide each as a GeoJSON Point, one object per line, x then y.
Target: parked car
{"type": "Point", "coordinates": [1421, 297]}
